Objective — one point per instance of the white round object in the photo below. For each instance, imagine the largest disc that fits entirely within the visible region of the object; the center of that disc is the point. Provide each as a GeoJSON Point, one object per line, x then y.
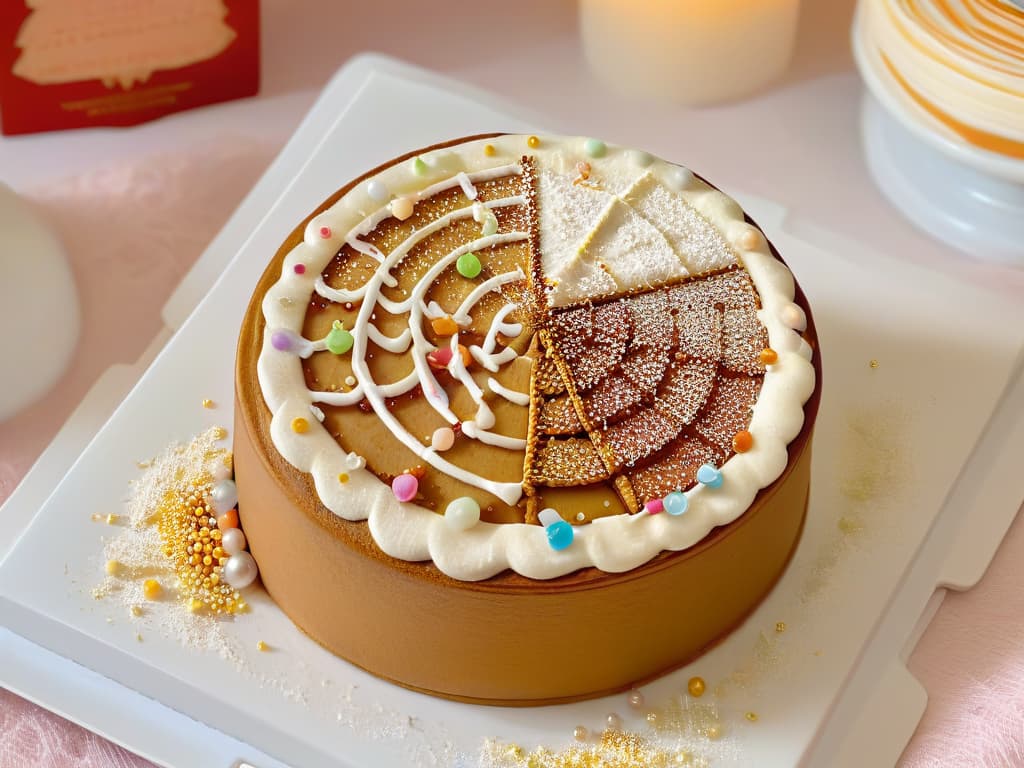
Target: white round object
{"type": "Point", "coordinates": [223, 495]}
{"type": "Point", "coordinates": [240, 570]}
{"type": "Point", "coordinates": [233, 541]}
{"type": "Point", "coordinates": [462, 513]}
{"type": "Point", "coordinates": [967, 209]}
{"type": "Point", "coordinates": [37, 337]}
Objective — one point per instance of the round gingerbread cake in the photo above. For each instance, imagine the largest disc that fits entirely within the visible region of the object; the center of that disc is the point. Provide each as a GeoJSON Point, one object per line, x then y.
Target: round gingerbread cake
{"type": "Point", "coordinates": [524, 419]}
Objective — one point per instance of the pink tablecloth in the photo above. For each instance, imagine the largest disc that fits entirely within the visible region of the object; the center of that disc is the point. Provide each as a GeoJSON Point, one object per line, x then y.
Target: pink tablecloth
{"type": "Point", "coordinates": [971, 660]}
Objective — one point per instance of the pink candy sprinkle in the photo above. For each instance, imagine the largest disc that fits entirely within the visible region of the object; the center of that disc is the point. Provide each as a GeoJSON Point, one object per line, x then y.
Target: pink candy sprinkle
{"type": "Point", "coordinates": [654, 506]}
{"type": "Point", "coordinates": [440, 358]}
{"type": "Point", "coordinates": [300, 269]}
{"type": "Point", "coordinates": [405, 487]}
{"type": "Point", "coordinates": [325, 232]}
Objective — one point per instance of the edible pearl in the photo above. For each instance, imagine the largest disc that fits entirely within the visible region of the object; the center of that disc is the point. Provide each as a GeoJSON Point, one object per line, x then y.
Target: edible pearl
{"type": "Point", "coordinates": [676, 503]}
{"type": "Point", "coordinates": [462, 513]}
{"type": "Point", "coordinates": [401, 208]}
{"type": "Point", "coordinates": [580, 733]}
{"type": "Point", "coordinates": [240, 570]}
{"type": "Point", "coordinates": [223, 495]}
{"type": "Point", "coordinates": [233, 541]}
{"type": "Point", "coordinates": [405, 487]}
{"type": "Point", "coordinates": [635, 699]}
{"type": "Point", "coordinates": [442, 439]}
{"type": "Point", "coordinates": [595, 147]}
{"type": "Point", "coordinates": [794, 317]}
{"type": "Point", "coordinates": [680, 178]}
{"type": "Point", "coordinates": [696, 687]}
{"type": "Point", "coordinates": [710, 476]}
{"type": "Point", "coordinates": [750, 239]}
{"type": "Point", "coordinates": [654, 506]}
{"type": "Point", "coordinates": [613, 721]}
{"type": "Point", "coordinates": [378, 190]}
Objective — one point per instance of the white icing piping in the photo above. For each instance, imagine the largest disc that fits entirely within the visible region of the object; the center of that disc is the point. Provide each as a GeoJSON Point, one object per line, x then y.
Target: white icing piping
{"type": "Point", "coordinates": [397, 344]}
{"type": "Point", "coordinates": [485, 355]}
{"type": "Point", "coordinates": [513, 396]}
{"type": "Point", "coordinates": [461, 315]}
{"type": "Point", "coordinates": [472, 429]}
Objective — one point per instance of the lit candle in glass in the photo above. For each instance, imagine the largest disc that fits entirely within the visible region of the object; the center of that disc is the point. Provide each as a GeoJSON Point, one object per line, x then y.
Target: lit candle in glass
{"type": "Point", "coordinates": [689, 51]}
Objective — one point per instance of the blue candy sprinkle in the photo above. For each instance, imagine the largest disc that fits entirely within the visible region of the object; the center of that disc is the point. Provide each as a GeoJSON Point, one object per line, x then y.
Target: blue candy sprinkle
{"type": "Point", "coordinates": [560, 535]}
{"type": "Point", "coordinates": [676, 503]}
{"type": "Point", "coordinates": [710, 476]}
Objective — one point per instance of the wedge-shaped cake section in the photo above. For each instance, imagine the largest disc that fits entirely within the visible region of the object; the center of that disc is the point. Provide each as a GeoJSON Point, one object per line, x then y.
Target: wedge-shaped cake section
{"type": "Point", "coordinates": [652, 385]}
{"type": "Point", "coordinates": [614, 238]}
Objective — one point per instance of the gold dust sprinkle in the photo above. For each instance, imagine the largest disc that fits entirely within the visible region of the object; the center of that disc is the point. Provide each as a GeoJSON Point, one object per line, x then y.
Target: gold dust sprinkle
{"type": "Point", "coordinates": [112, 519]}
{"type": "Point", "coordinates": [262, 646]}
{"type": "Point", "coordinates": [112, 567]}
{"type": "Point", "coordinates": [136, 610]}
{"type": "Point", "coordinates": [614, 749]}
{"type": "Point", "coordinates": [684, 717]}
{"type": "Point", "coordinates": [489, 150]}
{"type": "Point", "coordinates": [219, 433]}
{"type": "Point", "coordinates": [751, 716]}
{"type": "Point", "coordinates": [188, 530]}
{"type": "Point", "coordinates": [849, 525]}
{"type": "Point", "coordinates": [138, 637]}
{"type": "Point", "coordinates": [343, 477]}
{"type": "Point", "coordinates": [300, 425]}
{"type": "Point", "coordinates": [96, 517]}
{"type": "Point", "coordinates": [780, 626]}
{"type": "Point", "coordinates": [873, 363]}
{"type": "Point", "coordinates": [207, 403]}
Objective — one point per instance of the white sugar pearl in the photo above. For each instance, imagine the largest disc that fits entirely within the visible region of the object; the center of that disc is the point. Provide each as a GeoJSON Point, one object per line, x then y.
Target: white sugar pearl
{"type": "Point", "coordinates": [223, 495]}
{"type": "Point", "coordinates": [240, 570]}
{"type": "Point", "coordinates": [680, 178]}
{"type": "Point", "coordinates": [378, 191]}
{"type": "Point", "coordinates": [462, 513]}
{"type": "Point", "coordinates": [750, 239]}
{"type": "Point", "coordinates": [221, 472]}
{"type": "Point", "coordinates": [442, 439]}
{"type": "Point", "coordinates": [401, 208]}
{"type": "Point", "coordinates": [233, 541]}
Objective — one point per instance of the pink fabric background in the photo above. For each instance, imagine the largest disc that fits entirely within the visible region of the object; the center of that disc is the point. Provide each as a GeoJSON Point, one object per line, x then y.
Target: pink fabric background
{"type": "Point", "coordinates": [971, 660]}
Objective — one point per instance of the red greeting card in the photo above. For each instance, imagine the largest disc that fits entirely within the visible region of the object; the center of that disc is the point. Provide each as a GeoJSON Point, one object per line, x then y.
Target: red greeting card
{"type": "Point", "coordinates": [82, 63]}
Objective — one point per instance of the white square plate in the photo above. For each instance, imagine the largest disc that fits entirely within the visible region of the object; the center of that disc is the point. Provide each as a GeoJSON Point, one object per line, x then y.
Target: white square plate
{"type": "Point", "coordinates": [892, 486]}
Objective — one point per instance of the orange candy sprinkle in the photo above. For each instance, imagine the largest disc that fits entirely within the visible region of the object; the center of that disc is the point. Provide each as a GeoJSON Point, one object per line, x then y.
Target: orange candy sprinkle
{"type": "Point", "coordinates": [532, 142]}
{"type": "Point", "coordinates": [467, 359]}
{"type": "Point", "coordinates": [742, 441]}
{"type": "Point", "coordinates": [418, 471]}
{"type": "Point", "coordinates": [769, 356]}
{"type": "Point", "coordinates": [444, 326]}
{"type": "Point", "coordinates": [299, 425]}
{"type": "Point", "coordinates": [228, 520]}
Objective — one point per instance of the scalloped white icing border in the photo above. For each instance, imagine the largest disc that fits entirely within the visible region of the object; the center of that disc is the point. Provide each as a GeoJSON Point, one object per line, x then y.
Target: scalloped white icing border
{"type": "Point", "coordinates": [614, 544]}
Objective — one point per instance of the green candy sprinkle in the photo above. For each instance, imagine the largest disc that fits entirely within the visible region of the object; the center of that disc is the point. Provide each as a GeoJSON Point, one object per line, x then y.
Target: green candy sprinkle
{"type": "Point", "coordinates": [468, 265]}
{"type": "Point", "coordinates": [419, 167]}
{"type": "Point", "coordinates": [595, 147]}
{"type": "Point", "coordinates": [339, 341]}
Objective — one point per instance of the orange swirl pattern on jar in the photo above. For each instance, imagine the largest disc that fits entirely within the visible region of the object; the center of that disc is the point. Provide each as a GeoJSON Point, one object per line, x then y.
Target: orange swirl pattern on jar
{"type": "Point", "coordinates": [960, 61]}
